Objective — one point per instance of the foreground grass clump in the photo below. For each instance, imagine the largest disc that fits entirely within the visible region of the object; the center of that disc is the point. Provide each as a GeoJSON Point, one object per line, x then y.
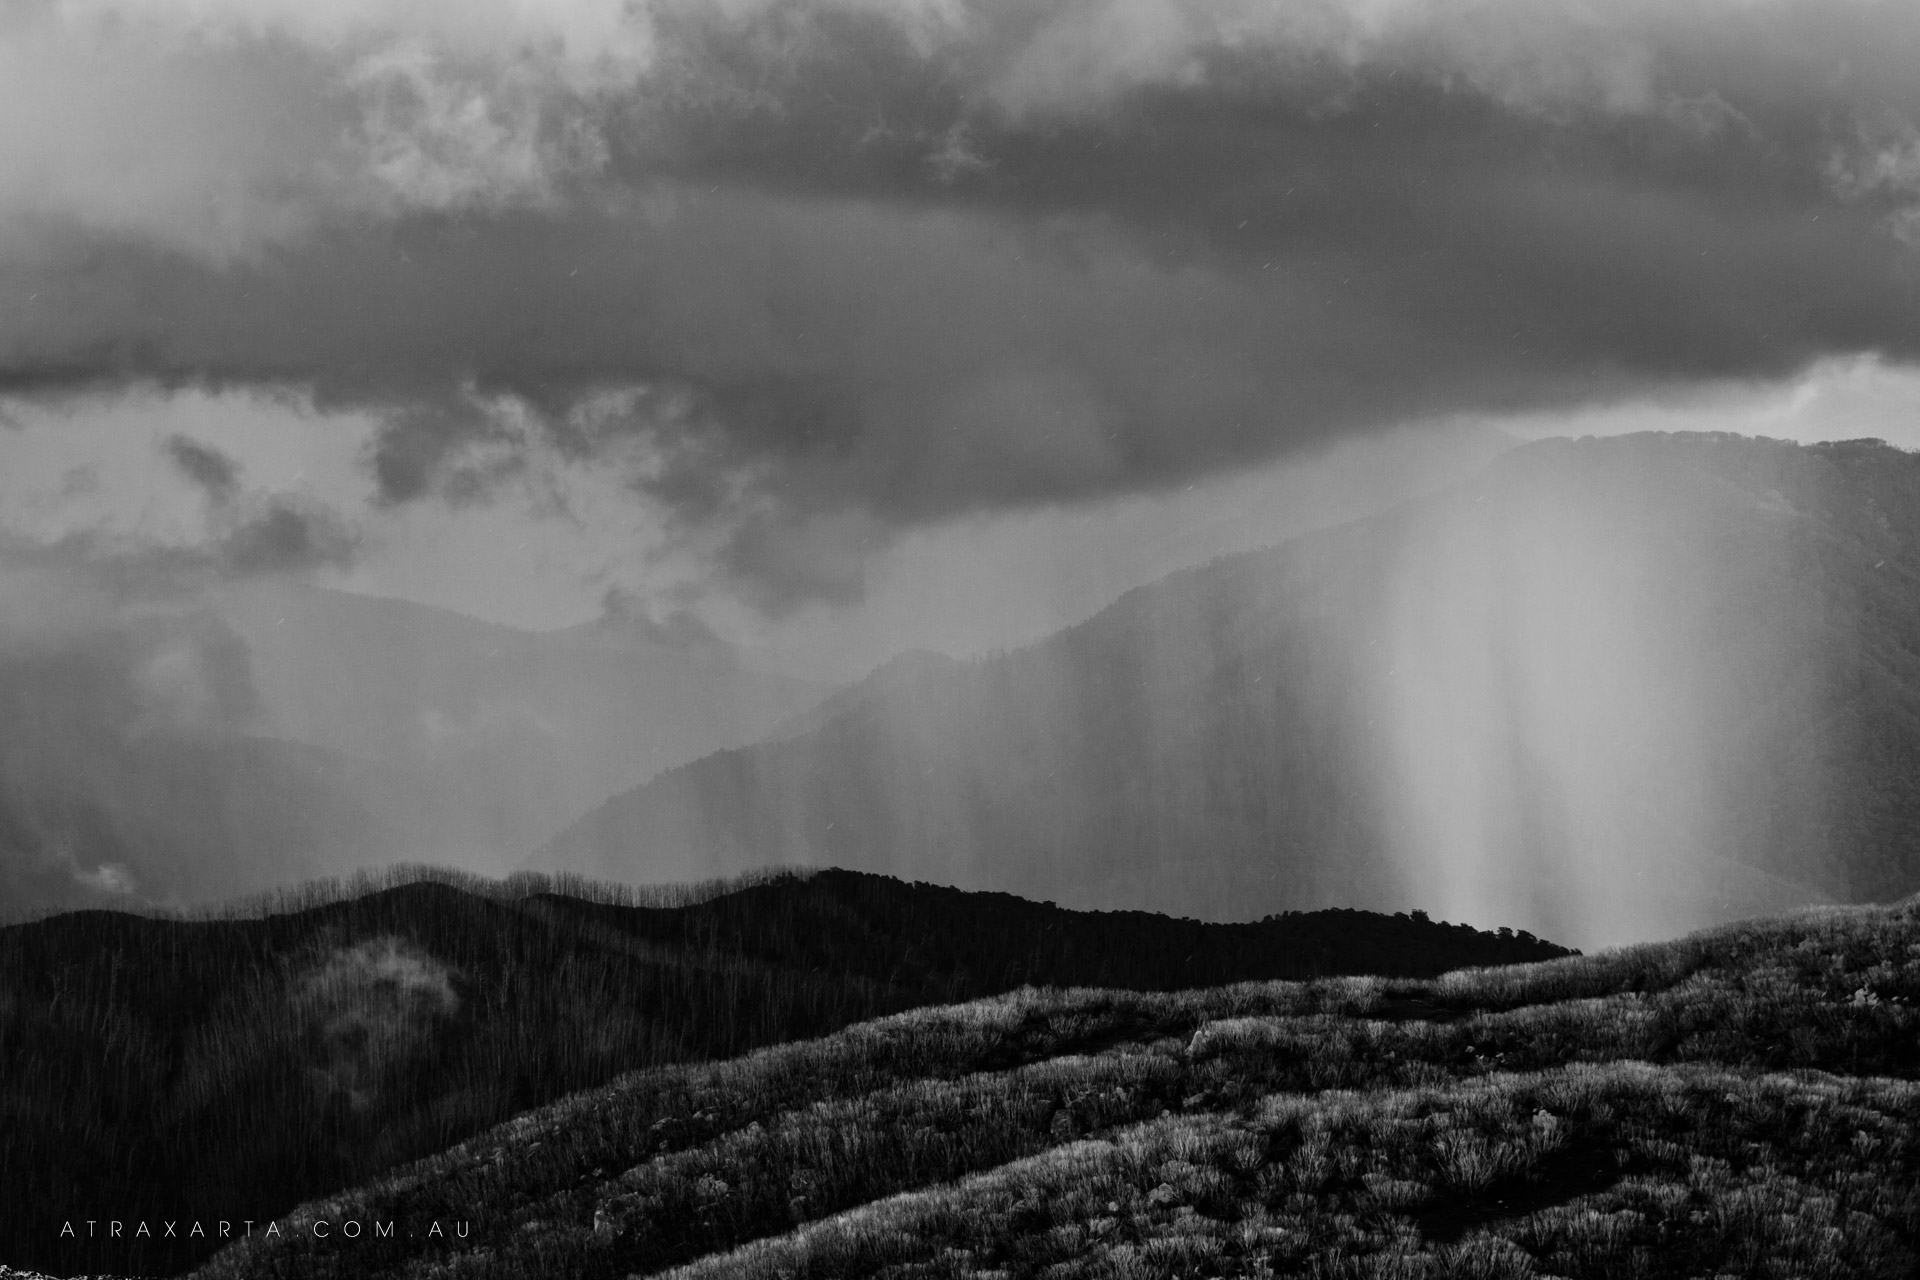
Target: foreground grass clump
{"type": "Point", "coordinates": [1737, 1103]}
{"type": "Point", "coordinates": [232, 1066]}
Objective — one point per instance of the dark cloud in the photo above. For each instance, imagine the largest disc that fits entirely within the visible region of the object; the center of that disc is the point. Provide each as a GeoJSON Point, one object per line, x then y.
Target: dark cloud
{"type": "Point", "coordinates": [779, 559]}
{"type": "Point", "coordinates": [277, 534]}
{"type": "Point", "coordinates": [286, 537]}
{"type": "Point", "coordinates": [213, 472]}
{"type": "Point", "coordinates": [859, 267]}
{"type": "Point", "coordinates": [423, 446]}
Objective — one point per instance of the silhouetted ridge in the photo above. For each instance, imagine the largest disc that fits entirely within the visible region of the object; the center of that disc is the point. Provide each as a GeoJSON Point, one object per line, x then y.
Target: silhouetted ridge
{"type": "Point", "coordinates": [175, 1068]}
{"type": "Point", "coordinates": [934, 937]}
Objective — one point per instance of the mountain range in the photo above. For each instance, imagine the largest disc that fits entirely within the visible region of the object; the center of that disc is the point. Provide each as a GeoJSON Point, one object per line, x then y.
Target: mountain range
{"type": "Point", "coordinates": [545, 724]}
{"type": "Point", "coordinates": [267, 734]}
{"type": "Point", "coordinates": [1610, 688]}
{"type": "Point", "coordinates": [1605, 689]}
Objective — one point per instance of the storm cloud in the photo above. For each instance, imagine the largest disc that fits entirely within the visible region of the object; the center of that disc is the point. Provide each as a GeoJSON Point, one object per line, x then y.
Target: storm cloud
{"type": "Point", "coordinates": [254, 534]}
{"type": "Point", "coordinates": [813, 273]}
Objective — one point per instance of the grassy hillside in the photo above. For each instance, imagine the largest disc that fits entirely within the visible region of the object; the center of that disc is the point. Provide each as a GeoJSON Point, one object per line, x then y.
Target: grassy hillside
{"type": "Point", "coordinates": [1740, 1102]}
{"type": "Point", "coordinates": [1608, 689]}
{"type": "Point", "coordinates": [232, 1067]}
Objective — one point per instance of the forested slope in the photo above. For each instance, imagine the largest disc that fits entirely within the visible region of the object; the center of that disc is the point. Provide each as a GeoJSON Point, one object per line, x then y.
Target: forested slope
{"type": "Point", "coordinates": [231, 1067]}
{"type": "Point", "coordinates": [1739, 1102]}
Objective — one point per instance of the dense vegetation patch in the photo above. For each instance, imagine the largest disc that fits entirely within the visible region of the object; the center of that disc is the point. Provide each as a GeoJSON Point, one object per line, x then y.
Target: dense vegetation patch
{"type": "Point", "coordinates": [184, 1069]}
{"type": "Point", "coordinates": [1740, 1102]}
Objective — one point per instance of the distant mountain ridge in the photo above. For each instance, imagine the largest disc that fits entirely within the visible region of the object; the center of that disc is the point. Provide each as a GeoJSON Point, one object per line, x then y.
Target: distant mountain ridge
{"type": "Point", "coordinates": [273, 733]}
{"type": "Point", "coordinates": [1609, 688]}
{"type": "Point", "coordinates": [554, 722]}
{"type": "Point", "coordinates": [898, 673]}
{"type": "Point", "coordinates": [94, 817]}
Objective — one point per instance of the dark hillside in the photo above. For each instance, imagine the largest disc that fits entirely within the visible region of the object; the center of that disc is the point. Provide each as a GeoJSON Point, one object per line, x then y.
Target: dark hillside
{"type": "Point", "coordinates": [1739, 1102]}
{"type": "Point", "coordinates": [940, 939]}
{"type": "Point", "coordinates": [233, 1067]}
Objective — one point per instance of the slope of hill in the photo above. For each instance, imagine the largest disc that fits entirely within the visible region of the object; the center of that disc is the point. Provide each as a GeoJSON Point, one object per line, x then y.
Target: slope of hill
{"type": "Point", "coordinates": [1608, 689]}
{"type": "Point", "coordinates": [176, 1070]}
{"type": "Point", "coordinates": [549, 724]}
{"type": "Point", "coordinates": [898, 675]}
{"type": "Point", "coordinates": [1740, 1102]}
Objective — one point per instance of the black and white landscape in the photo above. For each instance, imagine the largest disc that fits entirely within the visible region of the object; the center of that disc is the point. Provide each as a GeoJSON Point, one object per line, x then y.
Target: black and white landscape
{"type": "Point", "coordinates": [959, 637]}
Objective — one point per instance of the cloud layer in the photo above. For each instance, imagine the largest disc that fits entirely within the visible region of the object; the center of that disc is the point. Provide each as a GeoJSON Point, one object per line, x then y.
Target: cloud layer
{"type": "Point", "coordinates": [811, 273]}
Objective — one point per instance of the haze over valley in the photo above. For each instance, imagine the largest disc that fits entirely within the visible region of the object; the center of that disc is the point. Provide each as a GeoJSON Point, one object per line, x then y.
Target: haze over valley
{"type": "Point", "coordinates": [1605, 689]}
{"type": "Point", "coordinates": [277, 733]}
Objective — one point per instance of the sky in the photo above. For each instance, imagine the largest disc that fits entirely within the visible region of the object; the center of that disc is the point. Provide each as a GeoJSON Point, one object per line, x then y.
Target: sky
{"type": "Point", "coordinates": [841, 327]}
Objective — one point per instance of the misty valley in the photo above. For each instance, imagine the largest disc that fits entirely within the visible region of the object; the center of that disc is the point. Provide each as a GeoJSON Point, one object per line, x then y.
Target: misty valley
{"type": "Point", "coordinates": [1132, 951]}
{"type": "Point", "coordinates": [1606, 690]}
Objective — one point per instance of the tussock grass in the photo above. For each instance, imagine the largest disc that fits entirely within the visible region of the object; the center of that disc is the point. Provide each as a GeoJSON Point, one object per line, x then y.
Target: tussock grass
{"type": "Point", "coordinates": [1681, 1171]}
{"type": "Point", "coordinates": [1837, 936]}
